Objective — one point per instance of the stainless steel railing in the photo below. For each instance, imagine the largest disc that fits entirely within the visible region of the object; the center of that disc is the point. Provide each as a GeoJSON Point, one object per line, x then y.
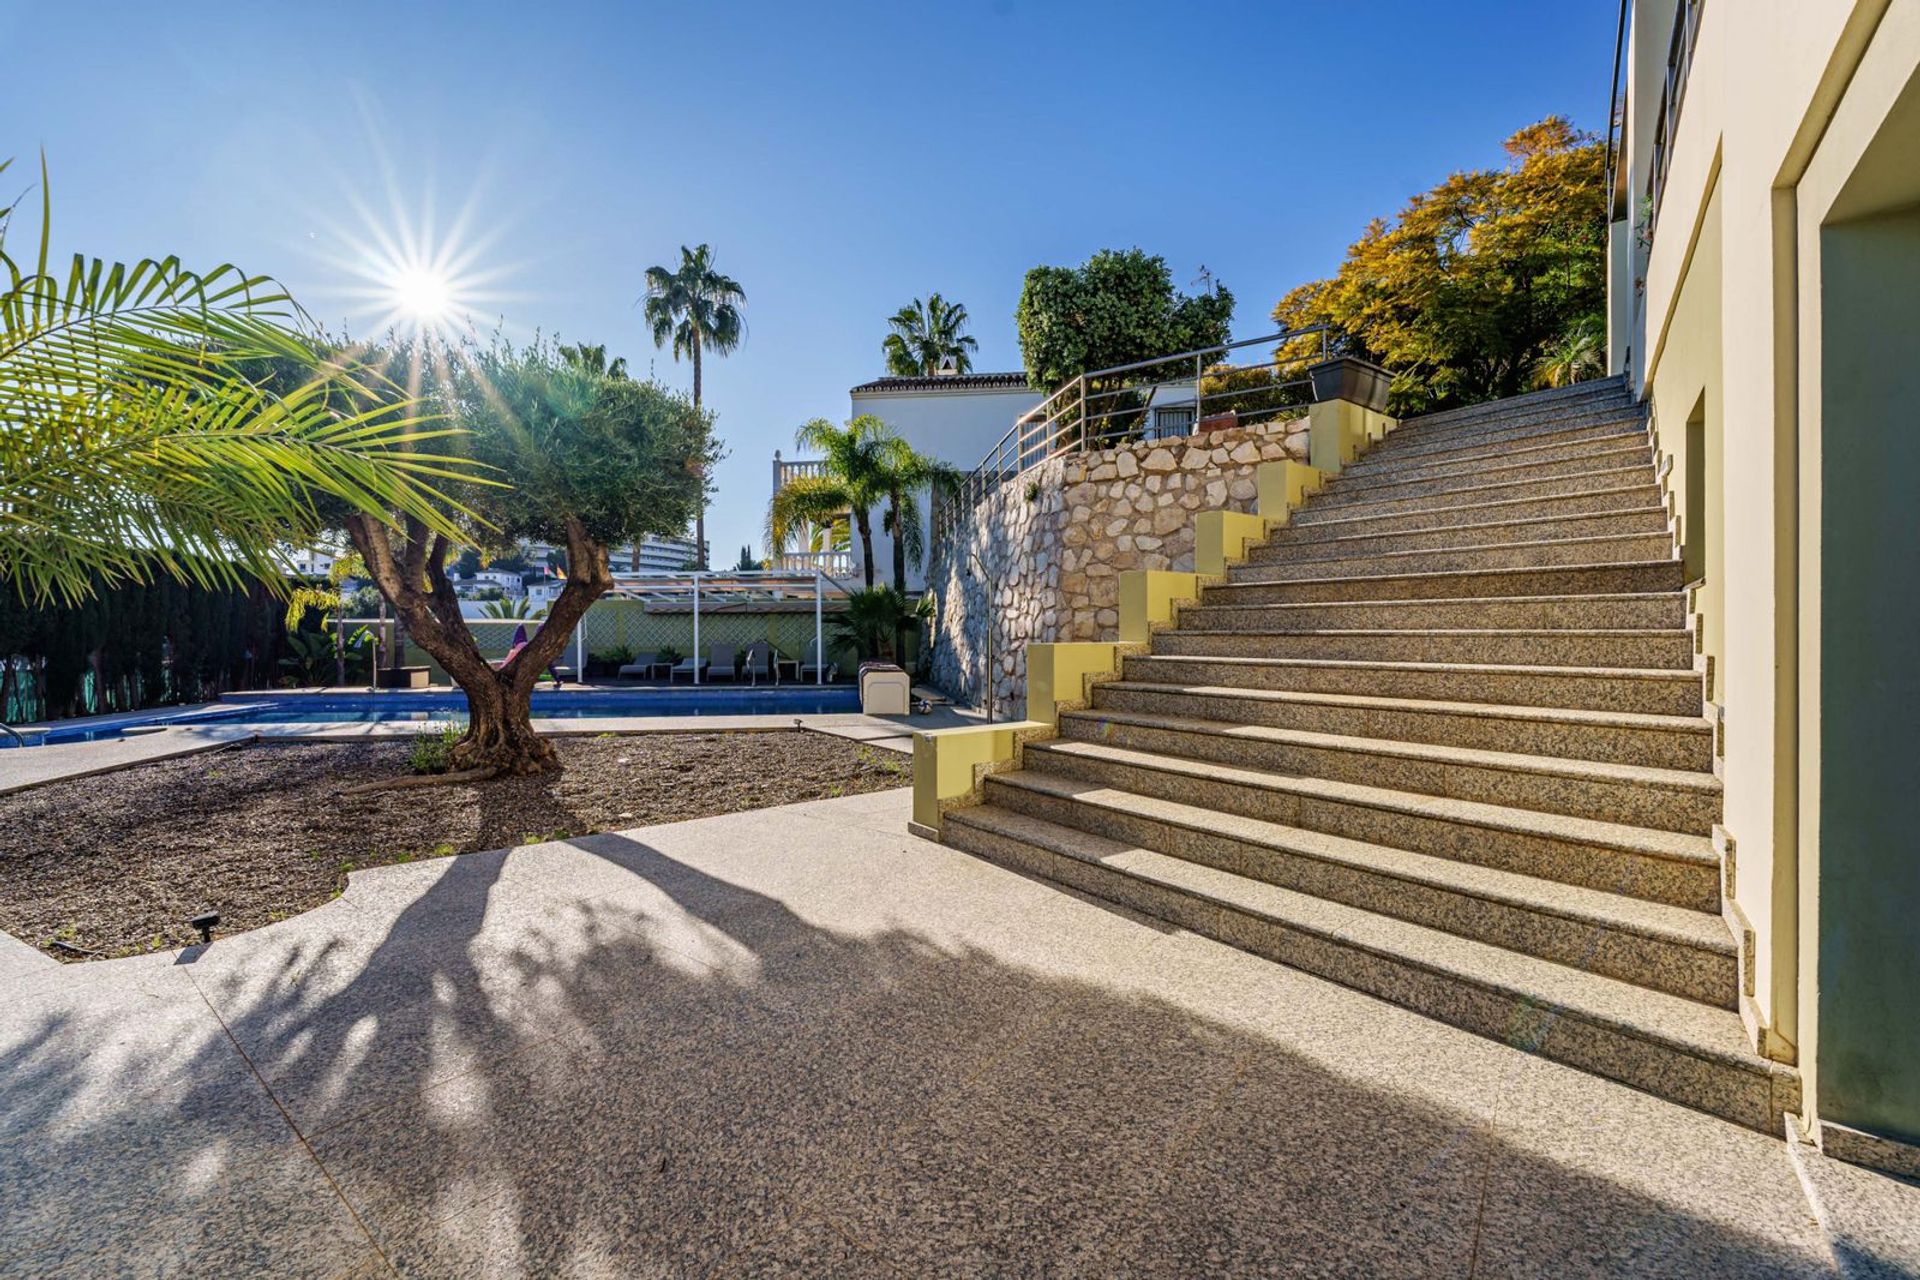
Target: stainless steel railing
{"type": "Point", "coordinates": [1148, 399]}
{"type": "Point", "coordinates": [1673, 91]}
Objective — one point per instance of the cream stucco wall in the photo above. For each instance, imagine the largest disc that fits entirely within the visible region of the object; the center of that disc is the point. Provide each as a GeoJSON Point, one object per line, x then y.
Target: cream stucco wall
{"type": "Point", "coordinates": [1782, 102]}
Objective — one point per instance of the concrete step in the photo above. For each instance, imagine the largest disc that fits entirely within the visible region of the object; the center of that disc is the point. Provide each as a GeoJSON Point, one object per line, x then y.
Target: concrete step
{"type": "Point", "coordinates": [1671, 949]}
{"type": "Point", "coordinates": [1552, 400]}
{"type": "Point", "coordinates": [1634, 611]}
{"type": "Point", "coordinates": [1330, 505]}
{"type": "Point", "coordinates": [1568, 402]}
{"type": "Point", "coordinates": [1512, 429]}
{"type": "Point", "coordinates": [1254, 585]}
{"type": "Point", "coordinates": [1452, 459]}
{"type": "Point", "coordinates": [1318, 541]}
{"type": "Point", "coordinates": [1675, 868]}
{"type": "Point", "coordinates": [1645, 691]}
{"type": "Point", "coordinates": [1594, 423]}
{"type": "Point", "coordinates": [1550, 648]}
{"type": "Point", "coordinates": [1545, 553]}
{"type": "Point", "coordinates": [1680, 1049]}
{"type": "Point", "coordinates": [1661, 742]}
{"type": "Point", "coordinates": [1621, 498]}
{"type": "Point", "coordinates": [1668, 799]}
{"type": "Point", "coordinates": [1385, 485]}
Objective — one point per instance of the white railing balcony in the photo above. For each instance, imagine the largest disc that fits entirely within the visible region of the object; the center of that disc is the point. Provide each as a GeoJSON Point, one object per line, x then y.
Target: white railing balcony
{"type": "Point", "coordinates": [786, 469]}
{"type": "Point", "coordinates": [828, 562]}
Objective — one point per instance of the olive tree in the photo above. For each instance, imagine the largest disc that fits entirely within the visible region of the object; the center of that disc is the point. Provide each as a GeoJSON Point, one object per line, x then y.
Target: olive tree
{"type": "Point", "coordinates": [586, 459]}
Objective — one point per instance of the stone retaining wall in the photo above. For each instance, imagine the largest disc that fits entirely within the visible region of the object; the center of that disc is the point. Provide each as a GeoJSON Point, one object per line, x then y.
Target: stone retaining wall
{"type": "Point", "coordinates": [1055, 540]}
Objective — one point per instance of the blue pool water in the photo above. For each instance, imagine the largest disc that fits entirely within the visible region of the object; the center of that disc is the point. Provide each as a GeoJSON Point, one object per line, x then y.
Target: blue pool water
{"type": "Point", "coordinates": [364, 708]}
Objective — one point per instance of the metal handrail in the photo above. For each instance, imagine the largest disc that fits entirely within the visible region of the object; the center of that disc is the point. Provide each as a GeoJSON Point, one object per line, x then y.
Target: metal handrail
{"type": "Point", "coordinates": [1064, 421]}
{"type": "Point", "coordinates": [1673, 92]}
{"type": "Point", "coordinates": [1616, 122]}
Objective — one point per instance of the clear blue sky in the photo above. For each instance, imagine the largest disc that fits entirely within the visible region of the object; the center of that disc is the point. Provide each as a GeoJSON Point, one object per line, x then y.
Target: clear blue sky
{"type": "Point", "coordinates": [841, 158]}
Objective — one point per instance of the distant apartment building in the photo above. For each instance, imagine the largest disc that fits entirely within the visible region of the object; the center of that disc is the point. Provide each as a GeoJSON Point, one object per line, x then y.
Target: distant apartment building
{"type": "Point", "coordinates": [654, 555]}
{"type": "Point", "coordinates": [650, 555]}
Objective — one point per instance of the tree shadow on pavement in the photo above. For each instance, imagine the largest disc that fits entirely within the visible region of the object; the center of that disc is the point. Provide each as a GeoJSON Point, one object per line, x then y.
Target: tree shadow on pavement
{"type": "Point", "coordinates": [596, 1059]}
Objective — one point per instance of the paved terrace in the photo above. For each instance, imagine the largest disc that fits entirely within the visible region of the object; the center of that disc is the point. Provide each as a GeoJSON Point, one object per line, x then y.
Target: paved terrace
{"type": "Point", "coordinates": [798, 1041]}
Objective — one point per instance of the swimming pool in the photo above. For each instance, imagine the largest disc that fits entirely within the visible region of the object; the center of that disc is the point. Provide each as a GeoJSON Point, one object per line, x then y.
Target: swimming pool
{"type": "Point", "coordinates": [406, 706]}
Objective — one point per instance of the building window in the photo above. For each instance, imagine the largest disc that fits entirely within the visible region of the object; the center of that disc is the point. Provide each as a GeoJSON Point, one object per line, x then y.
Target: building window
{"type": "Point", "coordinates": [1171, 423]}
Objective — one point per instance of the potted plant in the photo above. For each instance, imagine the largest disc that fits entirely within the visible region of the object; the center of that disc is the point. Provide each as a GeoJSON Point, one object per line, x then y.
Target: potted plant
{"type": "Point", "coordinates": [1353, 380]}
{"type": "Point", "coordinates": [606, 662]}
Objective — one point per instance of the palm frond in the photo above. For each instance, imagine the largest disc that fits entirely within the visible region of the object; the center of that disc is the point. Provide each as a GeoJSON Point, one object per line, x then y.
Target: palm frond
{"type": "Point", "coordinates": [694, 306]}
{"type": "Point", "coordinates": [133, 442]}
{"type": "Point", "coordinates": [817, 501]}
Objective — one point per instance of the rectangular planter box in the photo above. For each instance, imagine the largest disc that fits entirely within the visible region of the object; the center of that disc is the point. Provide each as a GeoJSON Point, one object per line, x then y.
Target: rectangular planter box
{"type": "Point", "coordinates": [1355, 381]}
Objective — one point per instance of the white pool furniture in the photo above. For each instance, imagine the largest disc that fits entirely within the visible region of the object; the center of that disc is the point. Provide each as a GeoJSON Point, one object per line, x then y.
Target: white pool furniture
{"type": "Point", "coordinates": [885, 690]}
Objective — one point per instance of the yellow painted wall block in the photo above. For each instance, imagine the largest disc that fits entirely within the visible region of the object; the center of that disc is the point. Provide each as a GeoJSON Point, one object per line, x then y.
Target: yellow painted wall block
{"type": "Point", "coordinates": [947, 764]}
{"type": "Point", "coordinates": [1147, 596]}
{"type": "Point", "coordinates": [1339, 431]}
{"type": "Point", "coordinates": [1057, 673]}
{"type": "Point", "coordinates": [1283, 486]}
{"type": "Point", "coordinates": [1220, 538]}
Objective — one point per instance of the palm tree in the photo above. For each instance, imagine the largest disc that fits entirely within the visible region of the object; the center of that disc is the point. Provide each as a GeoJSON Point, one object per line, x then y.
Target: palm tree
{"type": "Point", "coordinates": [1576, 355]}
{"type": "Point", "coordinates": [852, 483]}
{"type": "Point", "coordinates": [697, 310]}
{"type": "Point", "coordinates": [592, 358]}
{"type": "Point", "coordinates": [926, 335]}
{"type": "Point", "coordinates": [866, 464]}
{"type": "Point", "coordinates": [872, 618]}
{"type": "Point", "coordinates": [828, 535]}
{"type": "Point", "coordinates": [904, 472]}
{"type": "Point", "coordinates": [135, 438]}
{"type": "Point", "coordinates": [507, 609]}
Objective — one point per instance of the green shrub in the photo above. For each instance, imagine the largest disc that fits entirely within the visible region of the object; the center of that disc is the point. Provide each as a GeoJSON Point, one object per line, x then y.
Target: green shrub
{"type": "Point", "coordinates": [433, 749]}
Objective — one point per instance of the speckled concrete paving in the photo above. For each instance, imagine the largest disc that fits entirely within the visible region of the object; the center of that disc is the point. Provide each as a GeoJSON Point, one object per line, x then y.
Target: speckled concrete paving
{"type": "Point", "coordinates": [22, 767]}
{"type": "Point", "coordinates": [798, 1041]}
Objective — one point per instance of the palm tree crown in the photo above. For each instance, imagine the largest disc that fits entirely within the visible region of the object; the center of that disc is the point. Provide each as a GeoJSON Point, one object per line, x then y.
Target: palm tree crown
{"type": "Point", "coordinates": [592, 358]}
{"type": "Point", "coordinates": [696, 309]}
{"type": "Point", "coordinates": [926, 335]}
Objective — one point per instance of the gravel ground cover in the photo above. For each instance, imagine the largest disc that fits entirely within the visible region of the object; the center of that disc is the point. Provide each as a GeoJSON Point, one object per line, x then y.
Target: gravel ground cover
{"type": "Point", "coordinates": [117, 864]}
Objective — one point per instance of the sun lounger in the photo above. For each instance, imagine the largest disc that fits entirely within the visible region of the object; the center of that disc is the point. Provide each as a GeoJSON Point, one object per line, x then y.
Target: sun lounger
{"type": "Point", "coordinates": [641, 668]}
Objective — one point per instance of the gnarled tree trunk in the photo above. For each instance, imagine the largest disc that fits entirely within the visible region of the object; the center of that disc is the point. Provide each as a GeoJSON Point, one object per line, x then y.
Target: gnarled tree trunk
{"type": "Point", "coordinates": [414, 580]}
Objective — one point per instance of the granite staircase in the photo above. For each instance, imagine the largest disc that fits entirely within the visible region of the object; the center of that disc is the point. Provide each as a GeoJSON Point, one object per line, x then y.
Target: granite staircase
{"type": "Point", "coordinates": [1441, 739]}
